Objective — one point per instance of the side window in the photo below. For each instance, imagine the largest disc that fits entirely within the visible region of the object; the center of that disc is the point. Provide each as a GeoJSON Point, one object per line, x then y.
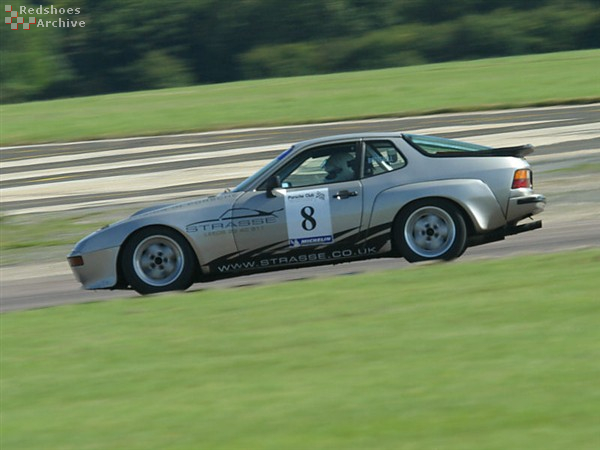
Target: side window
{"type": "Point", "coordinates": [322, 165]}
{"type": "Point", "coordinates": [382, 157]}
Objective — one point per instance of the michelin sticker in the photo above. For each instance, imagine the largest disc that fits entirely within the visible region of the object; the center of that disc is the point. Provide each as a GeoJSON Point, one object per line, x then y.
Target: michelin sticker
{"type": "Point", "coordinates": [308, 217]}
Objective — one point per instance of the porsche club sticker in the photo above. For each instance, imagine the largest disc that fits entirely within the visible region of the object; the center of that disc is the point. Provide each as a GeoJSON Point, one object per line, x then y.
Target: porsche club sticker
{"type": "Point", "coordinates": [308, 217]}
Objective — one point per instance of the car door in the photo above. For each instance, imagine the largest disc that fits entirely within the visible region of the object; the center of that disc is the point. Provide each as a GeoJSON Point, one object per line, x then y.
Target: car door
{"type": "Point", "coordinates": [315, 215]}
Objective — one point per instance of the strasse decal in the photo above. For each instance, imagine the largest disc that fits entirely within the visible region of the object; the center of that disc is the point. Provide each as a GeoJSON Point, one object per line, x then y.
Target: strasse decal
{"type": "Point", "coordinates": [296, 259]}
{"type": "Point", "coordinates": [236, 267]}
{"type": "Point", "coordinates": [235, 219]}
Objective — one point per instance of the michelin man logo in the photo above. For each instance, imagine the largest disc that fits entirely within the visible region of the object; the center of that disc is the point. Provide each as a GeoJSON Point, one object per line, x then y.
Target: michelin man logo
{"type": "Point", "coordinates": [14, 20]}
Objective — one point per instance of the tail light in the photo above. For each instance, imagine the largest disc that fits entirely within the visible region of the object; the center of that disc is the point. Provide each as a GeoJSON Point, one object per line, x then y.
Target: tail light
{"type": "Point", "coordinates": [522, 179]}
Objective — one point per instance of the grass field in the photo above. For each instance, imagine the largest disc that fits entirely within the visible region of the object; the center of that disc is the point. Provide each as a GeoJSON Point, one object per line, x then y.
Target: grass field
{"type": "Point", "coordinates": [481, 355]}
{"type": "Point", "coordinates": [42, 238]}
{"type": "Point", "coordinates": [483, 84]}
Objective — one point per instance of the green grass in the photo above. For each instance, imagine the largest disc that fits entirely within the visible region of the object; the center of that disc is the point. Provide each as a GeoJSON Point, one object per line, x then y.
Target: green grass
{"type": "Point", "coordinates": [483, 355]}
{"type": "Point", "coordinates": [490, 83]}
{"type": "Point", "coordinates": [42, 238]}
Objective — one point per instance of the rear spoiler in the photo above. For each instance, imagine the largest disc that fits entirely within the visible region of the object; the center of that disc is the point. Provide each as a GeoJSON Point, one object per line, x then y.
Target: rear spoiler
{"type": "Point", "coordinates": [518, 151]}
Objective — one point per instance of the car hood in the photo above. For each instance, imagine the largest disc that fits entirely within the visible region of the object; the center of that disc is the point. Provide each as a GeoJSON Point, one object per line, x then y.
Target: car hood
{"type": "Point", "coordinates": [177, 215]}
{"type": "Point", "coordinates": [209, 202]}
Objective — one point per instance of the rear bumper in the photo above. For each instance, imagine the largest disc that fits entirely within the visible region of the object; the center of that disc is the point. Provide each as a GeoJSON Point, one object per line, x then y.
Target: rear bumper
{"type": "Point", "coordinates": [531, 199]}
{"type": "Point", "coordinates": [521, 207]}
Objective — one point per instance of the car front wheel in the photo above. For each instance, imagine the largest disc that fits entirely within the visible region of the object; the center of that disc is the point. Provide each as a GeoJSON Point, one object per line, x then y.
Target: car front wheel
{"type": "Point", "coordinates": [430, 229]}
{"type": "Point", "coordinates": [158, 259]}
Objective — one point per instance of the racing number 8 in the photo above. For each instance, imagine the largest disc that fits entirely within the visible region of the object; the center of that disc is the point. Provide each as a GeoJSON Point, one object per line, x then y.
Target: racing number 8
{"type": "Point", "coordinates": [309, 223]}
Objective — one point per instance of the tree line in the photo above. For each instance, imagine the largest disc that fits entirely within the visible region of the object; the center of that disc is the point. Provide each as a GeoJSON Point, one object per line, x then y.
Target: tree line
{"type": "Point", "coordinates": [130, 45]}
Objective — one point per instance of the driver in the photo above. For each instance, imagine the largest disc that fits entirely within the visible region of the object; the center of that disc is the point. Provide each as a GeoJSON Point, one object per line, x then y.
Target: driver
{"type": "Point", "coordinates": [339, 167]}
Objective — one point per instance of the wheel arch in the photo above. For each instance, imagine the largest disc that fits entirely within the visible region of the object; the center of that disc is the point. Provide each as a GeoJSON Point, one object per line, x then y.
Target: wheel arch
{"type": "Point", "coordinates": [459, 207]}
{"type": "Point", "coordinates": [121, 281]}
{"type": "Point", "coordinates": [472, 197]}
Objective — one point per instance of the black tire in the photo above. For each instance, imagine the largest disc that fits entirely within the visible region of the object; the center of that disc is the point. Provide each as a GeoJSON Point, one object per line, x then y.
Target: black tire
{"type": "Point", "coordinates": [158, 259]}
{"type": "Point", "coordinates": [430, 229]}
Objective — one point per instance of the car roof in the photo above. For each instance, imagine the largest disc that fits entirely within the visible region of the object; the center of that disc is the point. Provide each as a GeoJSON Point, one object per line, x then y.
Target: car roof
{"type": "Point", "coordinates": [348, 137]}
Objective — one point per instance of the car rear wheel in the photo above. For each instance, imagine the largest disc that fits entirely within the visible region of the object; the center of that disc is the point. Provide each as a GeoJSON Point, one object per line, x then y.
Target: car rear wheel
{"type": "Point", "coordinates": [430, 229]}
{"type": "Point", "coordinates": [158, 259]}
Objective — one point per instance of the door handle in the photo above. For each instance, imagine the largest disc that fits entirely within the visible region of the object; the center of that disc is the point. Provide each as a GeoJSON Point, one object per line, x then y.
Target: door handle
{"type": "Point", "coordinates": [345, 194]}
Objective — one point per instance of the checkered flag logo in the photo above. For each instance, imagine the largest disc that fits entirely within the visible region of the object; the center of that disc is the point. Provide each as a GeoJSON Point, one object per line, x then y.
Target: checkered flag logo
{"type": "Point", "coordinates": [14, 20]}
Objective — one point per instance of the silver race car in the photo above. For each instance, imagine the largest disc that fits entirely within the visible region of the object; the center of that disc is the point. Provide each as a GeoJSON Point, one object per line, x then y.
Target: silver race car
{"type": "Point", "coordinates": [322, 201]}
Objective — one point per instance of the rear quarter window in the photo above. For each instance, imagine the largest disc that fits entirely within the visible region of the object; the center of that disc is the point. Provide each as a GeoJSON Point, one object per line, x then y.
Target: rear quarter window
{"type": "Point", "coordinates": [437, 146]}
{"type": "Point", "coordinates": [382, 157]}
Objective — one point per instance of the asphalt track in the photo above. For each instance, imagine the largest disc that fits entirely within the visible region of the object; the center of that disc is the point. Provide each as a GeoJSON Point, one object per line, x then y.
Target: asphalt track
{"type": "Point", "coordinates": [132, 173]}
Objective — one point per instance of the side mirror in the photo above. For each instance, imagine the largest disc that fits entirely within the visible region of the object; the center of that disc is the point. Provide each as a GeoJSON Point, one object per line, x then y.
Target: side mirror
{"type": "Point", "coordinates": [273, 183]}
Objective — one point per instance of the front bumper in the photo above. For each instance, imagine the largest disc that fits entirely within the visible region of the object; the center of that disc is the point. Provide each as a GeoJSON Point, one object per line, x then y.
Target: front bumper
{"type": "Point", "coordinates": [95, 270]}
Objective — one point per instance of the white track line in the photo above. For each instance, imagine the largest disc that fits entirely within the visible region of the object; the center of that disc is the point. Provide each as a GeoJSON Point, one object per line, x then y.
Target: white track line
{"type": "Point", "coordinates": [104, 154]}
{"type": "Point", "coordinates": [68, 158]}
{"type": "Point", "coordinates": [131, 183]}
{"type": "Point", "coordinates": [172, 178]}
{"type": "Point", "coordinates": [540, 136]}
{"type": "Point", "coordinates": [487, 126]}
{"type": "Point", "coordinates": [538, 159]}
{"type": "Point", "coordinates": [141, 162]}
{"type": "Point", "coordinates": [156, 198]}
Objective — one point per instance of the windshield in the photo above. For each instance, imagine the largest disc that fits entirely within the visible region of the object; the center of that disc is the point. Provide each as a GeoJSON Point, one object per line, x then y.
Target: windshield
{"type": "Point", "coordinates": [244, 185]}
{"type": "Point", "coordinates": [431, 145]}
